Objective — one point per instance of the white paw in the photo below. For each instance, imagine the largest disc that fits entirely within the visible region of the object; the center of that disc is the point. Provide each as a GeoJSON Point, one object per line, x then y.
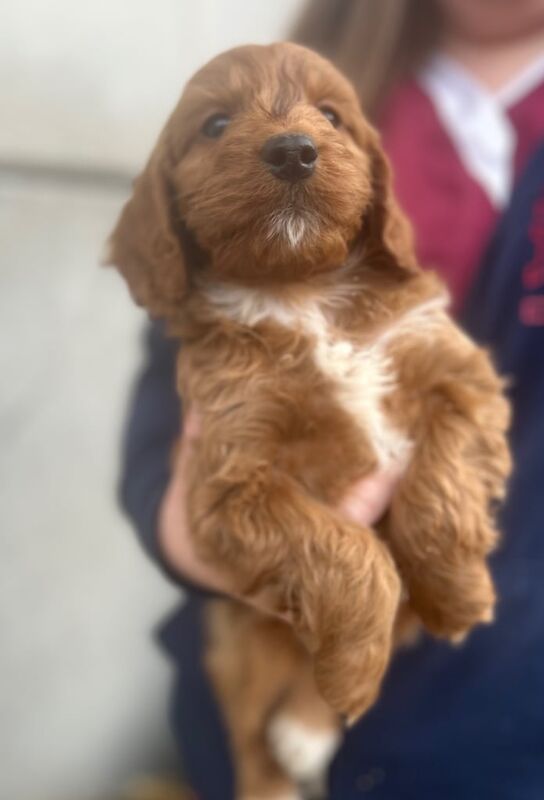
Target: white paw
{"type": "Point", "coordinates": [304, 752]}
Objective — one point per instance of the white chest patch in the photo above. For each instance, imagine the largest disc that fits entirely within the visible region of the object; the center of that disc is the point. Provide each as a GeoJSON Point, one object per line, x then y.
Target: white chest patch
{"type": "Point", "coordinates": [362, 376]}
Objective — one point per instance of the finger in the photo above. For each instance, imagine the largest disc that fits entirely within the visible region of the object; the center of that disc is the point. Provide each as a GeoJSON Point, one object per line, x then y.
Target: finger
{"type": "Point", "coordinates": [367, 500]}
{"type": "Point", "coordinates": [185, 445]}
{"type": "Point", "coordinates": [191, 425]}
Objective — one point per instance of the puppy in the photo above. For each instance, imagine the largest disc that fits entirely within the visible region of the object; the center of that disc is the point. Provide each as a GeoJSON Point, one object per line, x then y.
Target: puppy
{"type": "Point", "coordinates": [264, 231]}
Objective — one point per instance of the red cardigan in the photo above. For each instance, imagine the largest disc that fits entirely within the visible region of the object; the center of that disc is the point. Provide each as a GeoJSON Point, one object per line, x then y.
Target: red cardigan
{"type": "Point", "coordinates": [452, 215]}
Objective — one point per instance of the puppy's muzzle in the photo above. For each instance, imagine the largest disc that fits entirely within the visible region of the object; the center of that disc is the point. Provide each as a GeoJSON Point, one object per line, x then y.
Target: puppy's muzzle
{"type": "Point", "coordinates": [290, 157]}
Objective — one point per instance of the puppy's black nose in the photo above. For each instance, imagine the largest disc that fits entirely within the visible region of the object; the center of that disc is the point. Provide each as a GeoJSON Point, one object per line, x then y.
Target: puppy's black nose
{"type": "Point", "coordinates": [290, 157]}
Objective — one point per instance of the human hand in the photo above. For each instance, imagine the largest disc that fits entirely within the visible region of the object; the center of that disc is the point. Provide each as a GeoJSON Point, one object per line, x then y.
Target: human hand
{"type": "Point", "coordinates": [175, 540]}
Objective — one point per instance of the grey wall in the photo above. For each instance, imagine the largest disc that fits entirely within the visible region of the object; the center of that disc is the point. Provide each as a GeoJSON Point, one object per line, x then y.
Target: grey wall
{"type": "Point", "coordinates": [82, 691]}
{"type": "Point", "coordinates": [94, 81]}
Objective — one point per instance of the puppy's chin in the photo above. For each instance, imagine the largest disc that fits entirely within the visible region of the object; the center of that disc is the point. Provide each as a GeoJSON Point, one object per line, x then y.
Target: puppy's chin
{"type": "Point", "coordinates": [293, 228]}
{"type": "Point", "coordinates": [290, 252]}
{"type": "Point", "coordinates": [287, 245]}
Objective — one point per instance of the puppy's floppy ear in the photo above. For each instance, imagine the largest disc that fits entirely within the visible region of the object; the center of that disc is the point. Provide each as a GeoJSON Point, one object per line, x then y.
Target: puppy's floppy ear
{"type": "Point", "coordinates": [388, 234]}
{"type": "Point", "coordinates": [146, 244]}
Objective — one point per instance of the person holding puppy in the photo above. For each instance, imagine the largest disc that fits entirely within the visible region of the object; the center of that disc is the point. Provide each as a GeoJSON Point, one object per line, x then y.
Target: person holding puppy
{"type": "Point", "coordinates": [457, 89]}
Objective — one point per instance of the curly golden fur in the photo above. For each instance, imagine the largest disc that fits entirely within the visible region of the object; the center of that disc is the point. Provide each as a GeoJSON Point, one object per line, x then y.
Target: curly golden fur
{"type": "Point", "coordinates": [316, 351]}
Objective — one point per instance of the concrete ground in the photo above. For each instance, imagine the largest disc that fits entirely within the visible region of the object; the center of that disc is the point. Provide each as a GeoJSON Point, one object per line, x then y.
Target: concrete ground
{"type": "Point", "coordinates": [83, 692]}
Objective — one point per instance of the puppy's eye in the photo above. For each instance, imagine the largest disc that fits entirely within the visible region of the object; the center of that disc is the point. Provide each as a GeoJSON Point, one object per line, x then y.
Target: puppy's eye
{"type": "Point", "coordinates": [331, 115]}
{"type": "Point", "coordinates": [215, 125]}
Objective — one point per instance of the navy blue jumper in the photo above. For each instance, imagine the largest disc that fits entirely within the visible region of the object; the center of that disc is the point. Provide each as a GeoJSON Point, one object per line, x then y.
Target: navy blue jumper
{"type": "Point", "coordinates": [451, 724]}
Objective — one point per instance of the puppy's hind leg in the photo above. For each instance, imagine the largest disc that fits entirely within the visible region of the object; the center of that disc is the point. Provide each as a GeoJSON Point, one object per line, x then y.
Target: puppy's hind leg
{"type": "Point", "coordinates": [304, 734]}
{"type": "Point", "coordinates": [252, 661]}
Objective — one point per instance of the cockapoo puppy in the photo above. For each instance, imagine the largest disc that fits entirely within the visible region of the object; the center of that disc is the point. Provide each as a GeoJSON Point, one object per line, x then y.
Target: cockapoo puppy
{"type": "Point", "coordinates": [264, 231]}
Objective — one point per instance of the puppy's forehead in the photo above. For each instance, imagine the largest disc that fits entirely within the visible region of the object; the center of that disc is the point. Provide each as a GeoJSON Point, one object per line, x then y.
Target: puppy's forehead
{"type": "Point", "coordinates": [276, 75]}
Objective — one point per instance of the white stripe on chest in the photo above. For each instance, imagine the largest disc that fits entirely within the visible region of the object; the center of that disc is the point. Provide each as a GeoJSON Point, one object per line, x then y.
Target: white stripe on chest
{"type": "Point", "coordinates": [362, 376]}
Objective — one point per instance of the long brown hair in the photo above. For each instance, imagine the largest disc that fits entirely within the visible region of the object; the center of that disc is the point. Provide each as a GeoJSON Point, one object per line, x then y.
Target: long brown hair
{"type": "Point", "coordinates": [372, 41]}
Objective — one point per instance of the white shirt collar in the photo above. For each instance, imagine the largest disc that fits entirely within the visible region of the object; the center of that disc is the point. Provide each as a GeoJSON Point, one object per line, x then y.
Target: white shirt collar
{"type": "Point", "coordinates": [477, 120]}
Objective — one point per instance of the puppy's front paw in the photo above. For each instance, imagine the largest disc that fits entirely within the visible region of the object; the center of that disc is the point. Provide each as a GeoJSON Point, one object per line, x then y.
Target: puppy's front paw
{"type": "Point", "coordinates": [456, 601]}
{"type": "Point", "coordinates": [351, 685]}
{"type": "Point", "coordinates": [351, 662]}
